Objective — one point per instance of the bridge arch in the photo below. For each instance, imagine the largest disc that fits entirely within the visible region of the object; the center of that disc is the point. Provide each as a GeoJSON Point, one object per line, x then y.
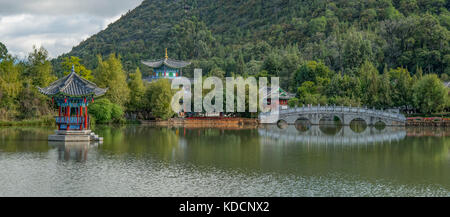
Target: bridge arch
{"type": "Point", "coordinates": [282, 124]}
{"type": "Point", "coordinates": [380, 124]}
{"type": "Point", "coordinates": [302, 124]}
{"type": "Point", "coordinates": [332, 119]}
{"type": "Point", "coordinates": [359, 125]}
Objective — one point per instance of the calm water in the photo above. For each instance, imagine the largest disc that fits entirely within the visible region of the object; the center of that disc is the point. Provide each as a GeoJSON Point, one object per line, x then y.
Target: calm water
{"type": "Point", "coordinates": [269, 161]}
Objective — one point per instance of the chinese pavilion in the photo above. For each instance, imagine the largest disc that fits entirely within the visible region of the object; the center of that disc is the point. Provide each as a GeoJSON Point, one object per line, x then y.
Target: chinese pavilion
{"type": "Point", "coordinates": [283, 96]}
{"type": "Point", "coordinates": [73, 94]}
{"type": "Point", "coordinates": [166, 68]}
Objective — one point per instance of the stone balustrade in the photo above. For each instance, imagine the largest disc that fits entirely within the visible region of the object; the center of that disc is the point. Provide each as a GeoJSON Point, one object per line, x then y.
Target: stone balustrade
{"type": "Point", "coordinates": [346, 114]}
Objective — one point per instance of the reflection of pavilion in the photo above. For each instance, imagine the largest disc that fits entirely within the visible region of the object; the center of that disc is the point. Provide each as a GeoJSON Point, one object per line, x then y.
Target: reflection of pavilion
{"type": "Point", "coordinates": [340, 136]}
{"type": "Point", "coordinates": [72, 150]}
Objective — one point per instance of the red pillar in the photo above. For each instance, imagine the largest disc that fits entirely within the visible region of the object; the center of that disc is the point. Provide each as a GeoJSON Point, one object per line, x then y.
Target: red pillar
{"type": "Point", "coordinates": [81, 115]}
{"type": "Point", "coordinates": [68, 117]}
{"type": "Point", "coordinates": [85, 117]}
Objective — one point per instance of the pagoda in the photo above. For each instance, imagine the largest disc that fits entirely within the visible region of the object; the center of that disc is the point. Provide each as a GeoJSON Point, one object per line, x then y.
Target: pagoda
{"type": "Point", "coordinates": [166, 68]}
{"type": "Point", "coordinates": [72, 95]}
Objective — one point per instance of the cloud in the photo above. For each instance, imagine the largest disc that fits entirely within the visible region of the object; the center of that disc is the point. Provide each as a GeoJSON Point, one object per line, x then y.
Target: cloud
{"type": "Point", "coordinates": [57, 25]}
{"type": "Point", "coordinates": [104, 8]}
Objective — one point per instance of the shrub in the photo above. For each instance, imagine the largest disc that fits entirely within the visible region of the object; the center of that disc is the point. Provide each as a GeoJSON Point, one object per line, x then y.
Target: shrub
{"type": "Point", "coordinates": [101, 110]}
{"type": "Point", "coordinates": [293, 102]}
{"type": "Point", "coordinates": [116, 113]}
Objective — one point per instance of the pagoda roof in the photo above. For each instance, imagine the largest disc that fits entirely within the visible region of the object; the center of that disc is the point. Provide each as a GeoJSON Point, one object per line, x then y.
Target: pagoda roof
{"type": "Point", "coordinates": [282, 94]}
{"type": "Point", "coordinates": [168, 62]}
{"type": "Point", "coordinates": [73, 85]}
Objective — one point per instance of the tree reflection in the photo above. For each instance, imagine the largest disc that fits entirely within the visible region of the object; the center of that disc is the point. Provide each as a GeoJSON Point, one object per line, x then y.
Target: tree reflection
{"type": "Point", "coordinates": [406, 155]}
{"type": "Point", "coordinates": [24, 139]}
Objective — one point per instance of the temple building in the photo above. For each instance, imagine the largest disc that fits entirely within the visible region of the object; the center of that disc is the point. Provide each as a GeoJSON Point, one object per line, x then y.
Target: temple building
{"type": "Point", "coordinates": [72, 94]}
{"type": "Point", "coordinates": [165, 68]}
{"type": "Point", "coordinates": [283, 97]}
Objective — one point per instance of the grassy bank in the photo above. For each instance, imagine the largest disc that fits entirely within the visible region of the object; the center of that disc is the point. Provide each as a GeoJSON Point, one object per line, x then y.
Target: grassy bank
{"type": "Point", "coordinates": [50, 121]}
{"type": "Point", "coordinates": [43, 121]}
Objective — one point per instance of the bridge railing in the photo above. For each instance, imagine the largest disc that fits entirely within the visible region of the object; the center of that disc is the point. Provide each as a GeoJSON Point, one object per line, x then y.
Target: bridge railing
{"type": "Point", "coordinates": [342, 109]}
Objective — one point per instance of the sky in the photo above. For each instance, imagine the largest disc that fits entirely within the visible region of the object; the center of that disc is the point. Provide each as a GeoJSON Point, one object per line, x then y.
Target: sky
{"type": "Point", "coordinates": [57, 25]}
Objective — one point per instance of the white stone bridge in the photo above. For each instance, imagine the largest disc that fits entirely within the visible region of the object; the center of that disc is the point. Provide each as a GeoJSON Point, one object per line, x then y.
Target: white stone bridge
{"type": "Point", "coordinates": [314, 114]}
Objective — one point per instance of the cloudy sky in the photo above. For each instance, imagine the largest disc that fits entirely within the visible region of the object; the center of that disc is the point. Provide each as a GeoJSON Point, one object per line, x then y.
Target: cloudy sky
{"type": "Point", "coordinates": [58, 25]}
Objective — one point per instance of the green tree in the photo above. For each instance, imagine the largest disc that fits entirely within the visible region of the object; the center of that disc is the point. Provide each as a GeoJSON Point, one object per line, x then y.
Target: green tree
{"type": "Point", "coordinates": [159, 95]}
{"type": "Point", "coordinates": [101, 110]}
{"type": "Point", "coordinates": [3, 51]}
{"type": "Point", "coordinates": [137, 91]}
{"type": "Point", "coordinates": [39, 67]}
{"type": "Point", "coordinates": [293, 102]}
{"type": "Point", "coordinates": [311, 71]}
{"type": "Point", "coordinates": [357, 49]}
{"type": "Point", "coordinates": [32, 104]}
{"type": "Point", "coordinates": [317, 25]}
{"type": "Point", "coordinates": [104, 111]}
{"type": "Point", "coordinates": [401, 87]}
{"type": "Point", "coordinates": [370, 85]}
{"type": "Point", "coordinates": [81, 70]}
{"type": "Point", "coordinates": [430, 94]}
{"type": "Point", "coordinates": [10, 87]}
{"type": "Point", "coordinates": [217, 72]}
{"type": "Point", "coordinates": [307, 94]}
{"type": "Point", "coordinates": [110, 74]}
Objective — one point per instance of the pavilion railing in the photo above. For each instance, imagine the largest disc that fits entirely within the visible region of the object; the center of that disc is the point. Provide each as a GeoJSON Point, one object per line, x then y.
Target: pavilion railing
{"type": "Point", "coordinates": [69, 120]}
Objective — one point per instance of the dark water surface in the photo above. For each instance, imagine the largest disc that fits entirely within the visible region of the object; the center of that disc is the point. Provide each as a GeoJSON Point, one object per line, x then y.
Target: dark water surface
{"type": "Point", "coordinates": [269, 161]}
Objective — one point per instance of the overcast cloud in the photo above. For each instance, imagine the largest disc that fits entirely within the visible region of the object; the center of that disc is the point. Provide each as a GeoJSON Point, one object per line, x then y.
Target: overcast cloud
{"type": "Point", "coordinates": [58, 25]}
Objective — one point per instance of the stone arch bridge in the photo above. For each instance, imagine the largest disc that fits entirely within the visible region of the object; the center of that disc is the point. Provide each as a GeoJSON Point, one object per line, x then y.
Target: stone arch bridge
{"type": "Point", "coordinates": [346, 115]}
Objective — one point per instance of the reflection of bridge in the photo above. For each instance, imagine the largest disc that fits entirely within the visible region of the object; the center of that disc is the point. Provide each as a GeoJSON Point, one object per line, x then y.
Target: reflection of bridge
{"type": "Point", "coordinates": [345, 114]}
{"type": "Point", "coordinates": [341, 135]}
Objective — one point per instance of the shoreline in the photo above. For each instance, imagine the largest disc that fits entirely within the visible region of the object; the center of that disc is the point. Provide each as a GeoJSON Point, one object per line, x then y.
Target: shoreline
{"type": "Point", "coordinates": [238, 123]}
{"type": "Point", "coordinates": [216, 122]}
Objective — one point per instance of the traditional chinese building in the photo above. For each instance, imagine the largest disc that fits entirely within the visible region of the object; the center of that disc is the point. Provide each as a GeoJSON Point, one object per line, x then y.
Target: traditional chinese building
{"type": "Point", "coordinates": [283, 96]}
{"type": "Point", "coordinates": [166, 68]}
{"type": "Point", "coordinates": [72, 94]}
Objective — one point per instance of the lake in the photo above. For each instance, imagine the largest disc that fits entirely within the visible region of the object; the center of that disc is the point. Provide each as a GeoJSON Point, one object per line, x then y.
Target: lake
{"type": "Point", "coordinates": [139, 160]}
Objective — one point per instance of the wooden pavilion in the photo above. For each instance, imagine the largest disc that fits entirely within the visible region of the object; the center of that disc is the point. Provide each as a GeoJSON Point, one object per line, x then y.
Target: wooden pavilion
{"type": "Point", "coordinates": [72, 94]}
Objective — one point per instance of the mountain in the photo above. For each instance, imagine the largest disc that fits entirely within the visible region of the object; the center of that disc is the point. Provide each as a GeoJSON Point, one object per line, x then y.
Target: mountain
{"type": "Point", "coordinates": [249, 36]}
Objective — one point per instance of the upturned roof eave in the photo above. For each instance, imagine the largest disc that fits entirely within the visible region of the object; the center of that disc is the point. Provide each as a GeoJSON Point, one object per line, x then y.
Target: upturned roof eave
{"type": "Point", "coordinates": [59, 87]}
{"type": "Point", "coordinates": [167, 62]}
{"type": "Point", "coordinates": [69, 95]}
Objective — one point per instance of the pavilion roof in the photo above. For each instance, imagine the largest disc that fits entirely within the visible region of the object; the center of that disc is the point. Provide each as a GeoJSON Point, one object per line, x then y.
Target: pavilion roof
{"type": "Point", "coordinates": [282, 93]}
{"type": "Point", "coordinates": [166, 61]}
{"type": "Point", "coordinates": [73, 85]}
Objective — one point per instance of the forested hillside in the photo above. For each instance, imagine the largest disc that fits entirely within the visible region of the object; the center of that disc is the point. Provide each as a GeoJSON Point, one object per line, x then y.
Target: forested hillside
{"type": "Point", "coordinates": [248, 36]}
{"type": "Point", "coordinates": [385, 54]}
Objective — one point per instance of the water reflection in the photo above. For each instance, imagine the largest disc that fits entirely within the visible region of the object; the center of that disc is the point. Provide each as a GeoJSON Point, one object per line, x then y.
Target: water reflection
{"type": "Point", "coordinates": [359, 125]}
{"type": "Point", "coordinates": [144, 156]}
{"type": "Point", "coordinates": [330, 134]}
{"type": "Point", "coordinates": [76, 151]}
{"type": "Point", "coordinates": [24, 139]}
